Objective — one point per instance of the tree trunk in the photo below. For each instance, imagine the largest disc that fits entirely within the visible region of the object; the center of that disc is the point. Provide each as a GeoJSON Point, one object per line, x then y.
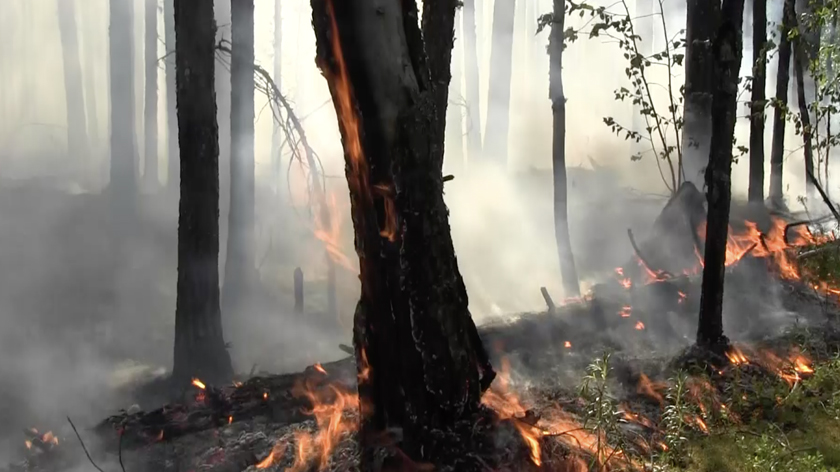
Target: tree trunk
{"type": "Point", "coordinates": [150, 124]}
{"type": "Point", "coordinates": [777, 146]}
{"type": "Point", "coordinates": [471, 82]}
{"type": "Point", "coordinates": [701, 23]}
{"type": "Point", "coordinates": [241, 239]}
{"type": "Point", "coordinates": [73, 92]}
{"type": "Point", "coordinates": [758, 101]}
{"type": "Point", "coordinates": [223, 97]}
{"type": "Point", "coordinates": [421, 365]}
{"type": "Point", "coordinates": [727, 50]}
{"type": "Point", "coordinates": [498, 96]}
{"type": "Point", "coordinates": [123, 139]}
{"type": "Point", "coordinates": [277, 135]}
{"type": "Point", "coordinates": [173, 165]}
{"type": "Point", "coordinates": [558, 154]}
{"type": "Point", "coordinates": [799, 59]}
{"type": "Point", "coordinates": [454, 145]}
{"type": "Point", "coordinates": [200, 349]}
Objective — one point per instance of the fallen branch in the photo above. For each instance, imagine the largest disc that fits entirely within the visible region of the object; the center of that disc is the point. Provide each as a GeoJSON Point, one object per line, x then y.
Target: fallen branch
{"type": "Point", "coordinates": [85, 448]}
{"type": "Point", "coordinates": [548, 300]}
{"type": "Point", "coordinates": [659, 273]}
{"type": "Point", "coordinates": [823, 194]}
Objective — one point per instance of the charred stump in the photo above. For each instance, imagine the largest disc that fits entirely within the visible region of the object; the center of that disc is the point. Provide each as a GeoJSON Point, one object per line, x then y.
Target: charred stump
{"type": "Point", "coordinates": [421, 365]}
{"type": "Point", "coordinates": [727, 53]}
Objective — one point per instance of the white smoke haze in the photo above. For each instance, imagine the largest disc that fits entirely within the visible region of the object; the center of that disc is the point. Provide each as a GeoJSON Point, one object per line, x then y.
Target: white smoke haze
{"type": "Point", "coordinates": [69, 341]}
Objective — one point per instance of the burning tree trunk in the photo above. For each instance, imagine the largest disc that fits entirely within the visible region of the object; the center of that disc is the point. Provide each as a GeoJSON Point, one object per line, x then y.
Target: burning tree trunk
{"type": "Point", "coordinates": [75, 98]}
{"type": "Point", "coordinates": [558, 154]}
{"type": "Point", "coordinates": [123, 140]}
{"type": "Point", "coordinates": [498, 95]}
{"type": "Point", "coordinates": [799, 60]}
{"type": "Point", "coordinates": [171, 116]}
{"type": "Point", "coordinates": [701, 22]}
{"type": "Point", "coordinates": [782, 82]}
{"type": "Point", "coordinates": [421, 364]}
{"type": "Point", "coordinates": [471, 81]}
{"type": "Point", "coordinates": [199, 345]}
{"type": "Point", "coordinates": [758, 101]}
{"type": "Point", "coordinates": [150, 124]}
{"type": "Point", "coordinates": [727, 62]}
{"type": "Point", "coordinates": [240, 264]}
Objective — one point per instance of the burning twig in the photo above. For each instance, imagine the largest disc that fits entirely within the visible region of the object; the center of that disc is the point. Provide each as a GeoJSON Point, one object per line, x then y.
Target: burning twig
{"type": "Point", "coordinates": [548, 301]}
{"type": "Point", "coordinates": [823, 195]}
{"type": "Point", "coordinates": [85, 448]}
{"type": "Point", "coordinates": [662, 273]}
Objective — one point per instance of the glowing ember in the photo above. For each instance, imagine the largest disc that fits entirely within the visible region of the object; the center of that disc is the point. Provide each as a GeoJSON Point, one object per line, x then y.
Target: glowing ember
{"type": "Point", "coordinates": [320, 369]}
{"type": "Point", "coordinates": [265, 395]}
{"type": "Point", "coordinates": [28, 444]}
{"type": "Point", "coordinates": [567, 345]}
{"type": "Point", "coordinates": [650, 389]}
{"type": "Point", "coordinates": [625, 311]}
{"type": "Point", "coordinates": [199, 384]}
{"type": "Point", "coordinates": [160, 436]}
{"type": "Point", "coordinates": [736, 357]}
{"type": "Point", "coordinates": [640, 326]}
{"type": "Point", "coordinates": [230, 419]}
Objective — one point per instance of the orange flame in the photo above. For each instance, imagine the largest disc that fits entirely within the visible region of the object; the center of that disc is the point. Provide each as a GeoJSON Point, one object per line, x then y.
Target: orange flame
{"type": "Point", "coordinates": [199, 384]}
{"type": "Point", "coordinates": [567, 345]}
{"type": "Point", "coordinates": [640, 326]}
{"type": "Point", "coordinates": [320, 368]}
{"type": "Point", "coordinates": [276, 451]}
{"type": "Point", "coordinates": [650, 389]}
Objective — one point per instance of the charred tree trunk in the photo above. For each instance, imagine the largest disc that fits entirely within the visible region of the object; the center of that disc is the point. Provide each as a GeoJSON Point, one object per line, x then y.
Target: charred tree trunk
{"type": "Point", "coordinates": [571, 284]}
{"type": "Point", "coordinates": [727, 49]}
{"type": "Point", "coordinates": [173, 164]}
{"type": "Point", "coordinates": [758, 101]}
{"type": "Point", "coordinates": [199, 344]}
{"type": "Point", "coordinates": [701, 24]}
{"type": "Point", "coordinates": [498, 94]}
{"type": "Point", "coordinates": [800, 60]}
{"type": "Point", "coordinates": [222, 10]}
{"type": "Point", "coordinates": [150, 124]}
{"type": "Point", "coordinates": [421, 365]}
{"type": "Point", "coordinates": [277, 135]}
{"type": "Point", "coordinates": [240, 265]}
{"type": "Point", "coordinates": [123, 139]}
{"type": "Point", "coordinates": [777, 146]}
{"type": "Point", "coordinates": [471, 81]}
{"type": "Point", "coordinates": [73, 91]}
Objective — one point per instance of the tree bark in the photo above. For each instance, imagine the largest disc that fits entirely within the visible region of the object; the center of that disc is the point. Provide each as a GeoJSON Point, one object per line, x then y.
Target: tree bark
{"type": "Point", "coordinates": [471, 82]}
{"type": "Point", "coordinates": [758, 101]}
{"type": "Point", "coordinates": [74, 95]}
{"type": "Point", "coordinates": [571, 284]}
{"type": "Point", "coordinates": [150, 124]}
{"type": "Point", "coordinates": [200, 349]}
{"type": "Point", "coordinates": [777, 146]}
{"type": "Point", "coordinates": [124, 155]}
{"type": "Point", "coordinates": [277, 135]}
{"type": "Point", "coordinates": [240, 263]}
{"type": "Point", "coordinates": [172, 156]}
{"type": "Point", "coordinates": [800, 59]}
{"type": "Point", "coordinates": [421, 365]}
{"type": "Point", "coordinates": [727, 51]}
{"type": "Point", "coordinates": [498, 96]}
{"type": "Point", "coordinates": [702, 18]}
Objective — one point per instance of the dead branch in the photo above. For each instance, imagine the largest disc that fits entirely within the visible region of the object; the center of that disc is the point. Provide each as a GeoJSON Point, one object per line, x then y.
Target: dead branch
{"type": "Point", "coordinates": [548, 300]}
{"type": "Point", "coordinates": [659, 272]}
{"type": "Point", "coordinates": [823, 194]}
{"type": "Point", "coordinates": [85, 448]}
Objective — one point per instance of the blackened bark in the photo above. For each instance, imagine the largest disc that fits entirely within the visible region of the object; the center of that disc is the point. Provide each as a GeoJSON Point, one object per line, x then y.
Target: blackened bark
{"type": "Point", "coordinates": [222, 10]}
{"type": "Point", "coordinates": [438, 38]}
{"type": "Point", "coordinates": [418, 354]}
{"type": "Point", "coordinates": [758, 101]}
{"type": "Point", "coordinates": [73, 92]}
{"type": "Point", "coordinates": [777, 146]}
{"type": "Point", "coordinates": [240, 264]}
{"type": "Point", "coordinates": [799, 60]}
{"type": "Point", "coordinates": [702, 18]}
{"type": "Point", "coordinates": [150, 123]}
{"type": "Point", "coordinates": [199, 344]}
{"type": "Point", "coordinates": [471, 81]}
{"type": "Point", "coordinates": [571, 284]}
{"type": "Point", "coordinates": [124, 155]}
{"type": "Point", "coordinates": [498, 95]}
{"type": "Point", "coordinates": [727, 51]}
{"type": "Point", "coordinates": [173, 165]}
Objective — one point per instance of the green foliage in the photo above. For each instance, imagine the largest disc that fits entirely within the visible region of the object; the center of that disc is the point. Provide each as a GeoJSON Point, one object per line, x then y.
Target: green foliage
{"type": "Point", "coordinates": [601, 415]}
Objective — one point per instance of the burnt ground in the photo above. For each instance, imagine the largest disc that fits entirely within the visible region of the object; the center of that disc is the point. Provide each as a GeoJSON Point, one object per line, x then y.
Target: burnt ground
{"type": "Point", "coordinates": [544, 355]}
